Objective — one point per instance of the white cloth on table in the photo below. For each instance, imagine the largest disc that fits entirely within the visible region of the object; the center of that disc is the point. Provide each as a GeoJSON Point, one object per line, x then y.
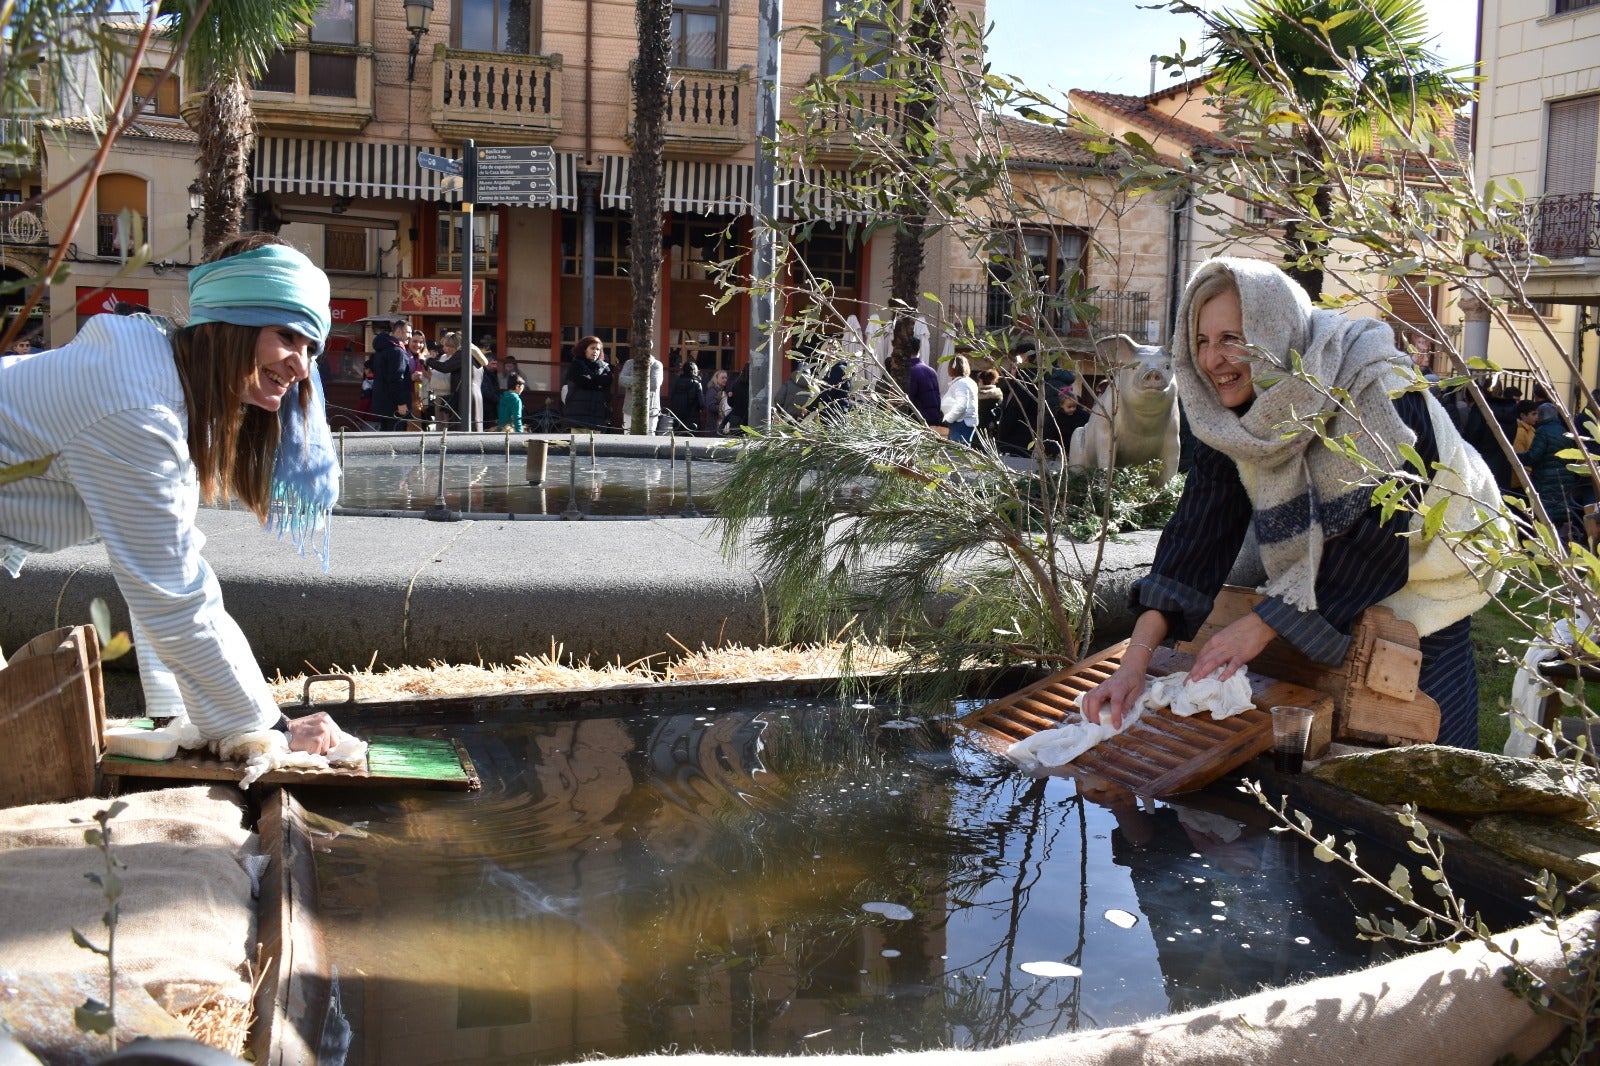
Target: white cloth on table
{"type": "Point", "coordinates": [265, 750]}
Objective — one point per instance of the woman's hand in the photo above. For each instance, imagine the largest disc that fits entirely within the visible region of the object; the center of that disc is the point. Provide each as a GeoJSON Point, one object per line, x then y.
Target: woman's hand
{"type": "Point", "coordinates": [315, 733]}
{"type": "Point", "coordinates": [1232, 647]}
{"type": "Point", "coordinates": [1116, 695]}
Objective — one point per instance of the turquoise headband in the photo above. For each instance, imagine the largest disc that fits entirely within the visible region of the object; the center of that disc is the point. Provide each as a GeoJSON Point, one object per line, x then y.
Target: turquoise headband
{"type": "Point", "coordinates": [271, 286]}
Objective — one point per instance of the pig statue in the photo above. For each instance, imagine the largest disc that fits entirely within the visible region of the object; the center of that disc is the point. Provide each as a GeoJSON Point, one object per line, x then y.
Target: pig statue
{"type": "Point", "coordinates": [1135, 420]}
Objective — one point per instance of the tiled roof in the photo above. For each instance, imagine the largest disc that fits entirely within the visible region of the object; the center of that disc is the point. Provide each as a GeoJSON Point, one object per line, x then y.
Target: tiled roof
{"type": "Point", "coordinates": [1040, 145]}
{"type": "Point", "coordinates": [1137, 110]}
{"type": "Point", "coordinates": [171, 131]}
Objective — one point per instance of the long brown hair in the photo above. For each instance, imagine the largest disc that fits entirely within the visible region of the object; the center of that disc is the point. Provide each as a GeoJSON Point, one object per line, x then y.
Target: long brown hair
{"type": "Point", "coordinates": [231, 443]}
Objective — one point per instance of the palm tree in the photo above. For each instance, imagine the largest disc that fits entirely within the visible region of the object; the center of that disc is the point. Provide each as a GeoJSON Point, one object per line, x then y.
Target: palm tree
{"type": "Point", "coordinates": [1273, 57]}
{"type": "Point", "coordinates": [230, 48]}
{"type": "Point", "coordinates": [646, 176]}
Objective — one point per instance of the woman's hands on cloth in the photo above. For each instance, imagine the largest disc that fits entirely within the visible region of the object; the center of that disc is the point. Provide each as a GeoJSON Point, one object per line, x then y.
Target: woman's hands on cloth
{"type": "Point", "coordinates": [315, 733]}
{"type": "Point", "coordinates": [1232, 647]}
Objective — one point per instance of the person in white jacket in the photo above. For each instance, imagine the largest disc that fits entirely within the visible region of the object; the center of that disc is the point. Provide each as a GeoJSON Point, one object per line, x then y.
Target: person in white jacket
{"type": "Point", "coordinates": [652, 399]}
{"type": "Point", "coordinates": [960, 404]}
{"type": "Point", "coordinates": [229, 406]}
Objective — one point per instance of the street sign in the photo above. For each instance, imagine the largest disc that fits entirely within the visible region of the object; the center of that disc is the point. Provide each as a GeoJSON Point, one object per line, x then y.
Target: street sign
{"type": "Point", "coordinates": [533, 153]}
{"type": "Point", "coordinates": [514, 199]}
{"type": "Point", "coordinates": [495, 184]}
{"type": "Point", "coordinates": [440, 163]}
{"type": "Point", "coordinates": [518, 169]}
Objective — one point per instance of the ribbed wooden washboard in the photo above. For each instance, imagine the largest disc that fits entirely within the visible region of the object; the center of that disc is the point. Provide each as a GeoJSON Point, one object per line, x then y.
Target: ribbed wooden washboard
{"type": "Point", "coordinates": [392, 762]}
{"type": "Point", "coordinates": [1162, 754]}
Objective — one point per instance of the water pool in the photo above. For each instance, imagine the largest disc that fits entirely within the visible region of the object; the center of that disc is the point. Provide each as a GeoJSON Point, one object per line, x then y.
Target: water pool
{"type": "Point", "coordinates": [609, 486]}
{"type": "Point", "coordinates": [801, 878]}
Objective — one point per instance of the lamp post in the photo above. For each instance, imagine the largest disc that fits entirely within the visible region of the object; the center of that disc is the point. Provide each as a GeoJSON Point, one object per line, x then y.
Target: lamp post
{"type": "Point", "coordinates": [417, 12]}
{"type": "Point", "coordinates": [197, 203]}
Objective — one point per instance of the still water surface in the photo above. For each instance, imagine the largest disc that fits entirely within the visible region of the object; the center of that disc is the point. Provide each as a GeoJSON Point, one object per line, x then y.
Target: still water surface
{"type": "Point", "coordinates": [492, 484]}
{"type": "Point", "coordinates": [797, 877]}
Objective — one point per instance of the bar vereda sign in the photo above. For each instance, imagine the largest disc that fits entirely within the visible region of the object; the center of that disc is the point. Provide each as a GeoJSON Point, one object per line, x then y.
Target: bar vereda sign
{"type": "Point", "coordinates": [426, 296]}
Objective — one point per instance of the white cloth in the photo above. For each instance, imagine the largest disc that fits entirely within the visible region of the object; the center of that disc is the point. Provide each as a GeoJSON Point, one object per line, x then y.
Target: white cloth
{"type": "Point", "coordinates": [265, 750]}
{"type": "Point", "coordinates": [110, 406]}
{"type": "Point", "coordinates": [960, 404]}
{"type": "Point", "coordinates": [1051, 748]}
{"type": "Point", "coordinates": [1221, 699]}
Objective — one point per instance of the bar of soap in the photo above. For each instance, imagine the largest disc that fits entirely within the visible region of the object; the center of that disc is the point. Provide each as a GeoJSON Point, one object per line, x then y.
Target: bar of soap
{"type": "Point", "coordinates": [157, 745]}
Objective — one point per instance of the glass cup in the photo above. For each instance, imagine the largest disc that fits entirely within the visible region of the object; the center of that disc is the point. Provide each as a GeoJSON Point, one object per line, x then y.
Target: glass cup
{"type": "Point", "coordinates": [1291, 729]}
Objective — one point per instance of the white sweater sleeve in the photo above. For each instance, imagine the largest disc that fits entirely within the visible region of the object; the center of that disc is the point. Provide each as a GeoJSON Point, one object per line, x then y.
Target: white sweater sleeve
{"type": "Point", "coordinates": [132, 472]}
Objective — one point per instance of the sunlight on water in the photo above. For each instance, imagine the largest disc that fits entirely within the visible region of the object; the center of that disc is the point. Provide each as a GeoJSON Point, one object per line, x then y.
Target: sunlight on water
{"type": "Point", "coordinates": [791, 878]}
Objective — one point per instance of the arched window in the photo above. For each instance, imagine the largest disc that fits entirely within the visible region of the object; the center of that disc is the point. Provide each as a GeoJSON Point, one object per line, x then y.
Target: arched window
{"type": "Point", "coordinates": [121, 214]}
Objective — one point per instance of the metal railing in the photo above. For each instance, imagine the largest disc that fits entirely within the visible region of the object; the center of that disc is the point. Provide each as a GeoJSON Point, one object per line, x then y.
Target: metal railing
{"type": "Point", "coordinates": [490, 93]}
{"type": "Point", "coordinates": [1559, 227]}
{"type": "Point", "coordinates": [993, 308]}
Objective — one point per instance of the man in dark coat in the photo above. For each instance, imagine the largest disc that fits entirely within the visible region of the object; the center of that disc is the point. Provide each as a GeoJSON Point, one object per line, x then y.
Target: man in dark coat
{"type": "Point", "coordinates": [922, 389]}
{"type": "Point", "coordinates": [391, 377]}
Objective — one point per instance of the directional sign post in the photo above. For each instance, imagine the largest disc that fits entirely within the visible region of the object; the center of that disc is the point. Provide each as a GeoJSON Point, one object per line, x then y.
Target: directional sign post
{"type": "Point", "coordinates": [521, 176]}
{"type": "Point", "coordinates": [440, 163]}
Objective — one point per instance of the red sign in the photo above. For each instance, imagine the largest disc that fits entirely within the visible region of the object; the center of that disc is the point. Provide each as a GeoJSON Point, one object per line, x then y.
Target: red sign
{"type": "Point", "coordinates": [347, 312]}
{"type": "Point", "coordinates": [93, 300]}
{"type": "Point", "coordinates": [426, 296]}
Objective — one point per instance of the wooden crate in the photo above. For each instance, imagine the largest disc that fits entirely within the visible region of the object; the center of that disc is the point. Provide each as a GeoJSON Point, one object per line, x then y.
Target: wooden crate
{"type": "Point", "coordinates": [52, 718]}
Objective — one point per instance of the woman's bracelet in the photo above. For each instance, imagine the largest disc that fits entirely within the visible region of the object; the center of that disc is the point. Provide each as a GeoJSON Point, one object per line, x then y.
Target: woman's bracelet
{"type": "Point", "coordinates": [1141, 644]}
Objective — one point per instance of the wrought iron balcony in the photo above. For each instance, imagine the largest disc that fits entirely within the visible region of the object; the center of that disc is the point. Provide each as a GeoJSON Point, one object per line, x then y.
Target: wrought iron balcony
{"type": "Point", "coordinates": [708, 111]}
{"type": "Point", "coordinates": [992, 308]}
{"type": "Point", "coordinates": [1559, 227]}
{"type": "Point", "coordinates": [496, 95]}
{"type": "Point", "coordinates": [866, 115]}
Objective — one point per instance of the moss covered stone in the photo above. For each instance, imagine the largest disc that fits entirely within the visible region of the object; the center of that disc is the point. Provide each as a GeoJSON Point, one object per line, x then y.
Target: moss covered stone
{"type": "Point", "coordinates": [1566, 850]}
{"type": "Point", "coordinates": [1458, 781]}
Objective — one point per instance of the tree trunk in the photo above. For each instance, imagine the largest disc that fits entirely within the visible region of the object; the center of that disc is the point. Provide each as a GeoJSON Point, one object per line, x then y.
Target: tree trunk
{"type": "Point", "coordinates": [227, 133]}
{"type": "Point", "coordinates": [651, 74]}
{"type": "Point", "coordinates": [921, 113]}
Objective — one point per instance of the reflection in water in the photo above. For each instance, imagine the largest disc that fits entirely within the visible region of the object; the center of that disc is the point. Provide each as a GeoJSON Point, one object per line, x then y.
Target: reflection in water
{"type": "Point", "coordinates": [740, 880]}
{"type": "Point", "coordinates": [494, 485]}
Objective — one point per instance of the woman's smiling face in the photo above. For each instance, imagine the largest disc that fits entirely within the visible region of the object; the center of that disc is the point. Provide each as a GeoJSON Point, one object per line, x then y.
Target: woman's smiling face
{"type": "Point", "coordinates": [283, 360]}
{"type": "Point", "coordinates": [1219, 350]}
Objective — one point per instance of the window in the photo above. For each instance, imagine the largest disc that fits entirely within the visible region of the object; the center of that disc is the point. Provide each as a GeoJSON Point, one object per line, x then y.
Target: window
{"type": "Point", "coordinates": [121, 217]}
{"type": "Point", "coordinates": [711, 350]}
{"type": "Point", "coordinates": [485, 242]}
{"type": "Point", "coordinates": [507, 26]}
{"type": "Point", "coordinates": [335, 23]}
{"type": "Point", "coordinates": [1562, 223]}
{"type": "Point", "coordinates": [612, 251]}
{"type": "Point", "coordinates": [831, 256]}
{"type": "Point", "coordinates": [697, 34]}
{"type": "Point", "coordinates": [697, 248]}
{"type": "Point", "coordinates": [1055, 256]}
{"type": "Point", "coordinates": [159, 96]}
{"type": "Point", "coordinates": [615, 339]}
{"type": "Point", "coordinates": [857, 30]}
{"type": "Point", "coordinates": [1563, 6]}
{"type": "Point", "coordinates": [279, 75]}
{"type": "Point", "coordinates": [344, 250]}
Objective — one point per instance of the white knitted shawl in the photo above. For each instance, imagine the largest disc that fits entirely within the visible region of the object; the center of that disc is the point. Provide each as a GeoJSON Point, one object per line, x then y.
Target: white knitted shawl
{"type": "Point", "coordinates": [1307, 365]}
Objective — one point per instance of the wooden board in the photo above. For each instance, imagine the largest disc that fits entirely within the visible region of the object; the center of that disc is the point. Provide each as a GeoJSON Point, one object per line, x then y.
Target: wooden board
{"type": "Point", "coordinates": [392, 762]}
{"type": "Point", "coordinates": [1161, 754]}
{"type": "Point", "coordinates": [52, 716]}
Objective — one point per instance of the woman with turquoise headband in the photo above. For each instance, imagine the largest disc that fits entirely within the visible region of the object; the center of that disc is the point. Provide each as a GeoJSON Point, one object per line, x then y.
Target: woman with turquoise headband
{"type": "Point", "coordinates": [226, 407]}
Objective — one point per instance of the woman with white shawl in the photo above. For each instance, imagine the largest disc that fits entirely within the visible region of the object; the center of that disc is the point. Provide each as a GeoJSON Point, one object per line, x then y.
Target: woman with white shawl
{"type": "Point", "coordinates": [1257, 370]}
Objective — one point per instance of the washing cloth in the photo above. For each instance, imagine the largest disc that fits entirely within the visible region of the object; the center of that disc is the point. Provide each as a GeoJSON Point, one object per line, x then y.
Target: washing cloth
{"type": "Point", "coordinates": [1051, 748]}
{"type": "Point", "coordinates": [265, 750]}
{"type": "Point", "coordinates": [1223, 699]}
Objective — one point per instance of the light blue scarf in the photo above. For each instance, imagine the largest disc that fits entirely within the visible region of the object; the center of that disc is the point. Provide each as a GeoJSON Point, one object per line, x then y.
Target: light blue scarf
{"type": "Point", "coordinates": [278, 286]}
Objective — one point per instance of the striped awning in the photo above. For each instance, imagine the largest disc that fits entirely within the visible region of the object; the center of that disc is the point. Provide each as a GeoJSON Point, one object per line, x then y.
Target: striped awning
{"type": "Point", "coordinates": [694, 187]}
{"type": "Point", "coordinates": [370, 169]}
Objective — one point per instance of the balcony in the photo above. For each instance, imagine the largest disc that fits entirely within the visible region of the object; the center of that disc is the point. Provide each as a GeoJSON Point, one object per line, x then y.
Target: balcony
{"type": "Point", "coordinates": [991, 307]}
{"type": "Point", "coordinates": [322, 87]}
{"type": "Point", "coordinates": [510, 99]}
{"type": "Point", "coordinates": [708, 111]}
{"type": "Point", "coordinates": [1564, 227]}
{"type": "Point", "coordinates": [865, 116]}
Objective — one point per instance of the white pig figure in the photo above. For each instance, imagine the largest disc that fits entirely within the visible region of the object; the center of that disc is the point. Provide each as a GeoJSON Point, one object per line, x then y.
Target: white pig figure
{"type": "Point", "coordinates": [1135, 420]}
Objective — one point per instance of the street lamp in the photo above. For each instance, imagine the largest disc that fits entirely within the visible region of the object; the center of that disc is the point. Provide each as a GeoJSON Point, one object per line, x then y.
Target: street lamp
{"type": "Point", "coordinates": [416, 24]}
{"type": "Point", "coordinates": [197, 203]}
